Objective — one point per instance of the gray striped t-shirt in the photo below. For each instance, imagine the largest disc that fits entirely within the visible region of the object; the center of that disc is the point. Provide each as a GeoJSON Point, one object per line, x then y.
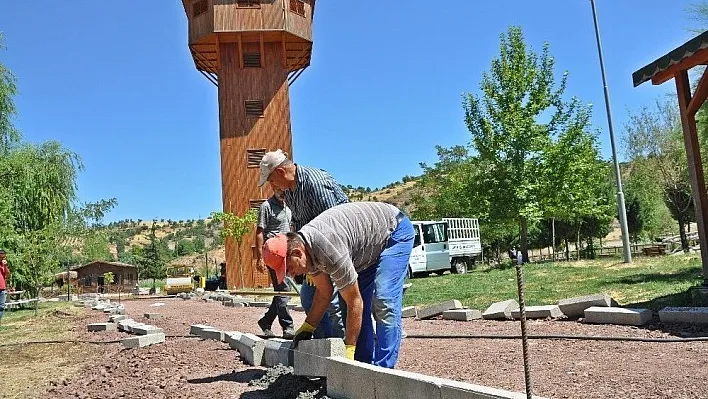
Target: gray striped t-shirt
{"type": "Point", "coordinates": [349, 238]}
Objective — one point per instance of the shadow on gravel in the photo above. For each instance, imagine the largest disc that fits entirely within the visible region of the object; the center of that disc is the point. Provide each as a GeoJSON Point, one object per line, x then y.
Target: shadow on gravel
{"type": "Point", "coordinates": [245, 376]}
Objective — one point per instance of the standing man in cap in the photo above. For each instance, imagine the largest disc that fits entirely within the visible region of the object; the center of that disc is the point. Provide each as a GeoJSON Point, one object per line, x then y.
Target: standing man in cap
{"type": "Point", "coordinates": [307, 192]}
{"type": "Point", "coordinates": [274, 218]}
{"type": "Point", "coordinates": [4, 278]}
{"type": "Point", "coordinates": [365, 248]}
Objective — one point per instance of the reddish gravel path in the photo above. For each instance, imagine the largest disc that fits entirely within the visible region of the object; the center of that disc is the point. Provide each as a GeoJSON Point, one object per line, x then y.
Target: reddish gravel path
{"type": "Point", "coordinates": [192, 368]}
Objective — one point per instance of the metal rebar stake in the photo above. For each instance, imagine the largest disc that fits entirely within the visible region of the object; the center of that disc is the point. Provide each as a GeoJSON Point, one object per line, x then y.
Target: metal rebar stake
{"type": "Point", "coordinates": [524, 336]}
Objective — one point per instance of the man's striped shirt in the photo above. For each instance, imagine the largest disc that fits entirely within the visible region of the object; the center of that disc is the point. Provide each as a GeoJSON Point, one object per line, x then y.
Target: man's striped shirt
{"type": "Point", "coordinates": [349, 238]}
{"type": "Point", "coordinates": [315, 192]}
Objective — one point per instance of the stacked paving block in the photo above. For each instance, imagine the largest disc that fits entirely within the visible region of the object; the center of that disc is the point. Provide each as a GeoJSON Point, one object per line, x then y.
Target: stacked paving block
{"type": "Point", "coordinates": [409, 311]}
{"type": "Point", "coordinates": [538, 312]}
{"type": "Point", "coordinates": [250, 348]}
{"type": "Point", "coordinates": [212, 333]}
{"type": "Point", "coordinates": [196, 329]}
{"type": "Point", "coordinates": [438, 309]}
{"type": "Point", "coordinates": [143, 340]}
{"type": "Point", "coordinates": [310, 357]}
{"type": "Point", "coordinates": [232, 338]}
{"type": "Point", "coordinates": [500, 310]}
{"type": "Point", "coordinates": [116, 318]}
{"type": "Point", "coordinates": [693, 315]}
{"type": "Point", "coordinates": [102, 327]}
{"type": "Point", "coordinates": [622, 316]}
{"type": "Point", "coordinates": [146, 329]}
{"type": "Point", "coordinates": [462, 314]}
{"type": "Point", "coordinates": [356, 380]}
{"type": "Point", "coordinates": [277, 351]}
{"type": "Point", "coordinates": [574, 308]}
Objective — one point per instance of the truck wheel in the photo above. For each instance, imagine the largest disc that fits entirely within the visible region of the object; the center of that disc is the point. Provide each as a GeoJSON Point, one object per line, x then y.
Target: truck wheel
{"type": "Point", "coordinates": [410, 273]}
{"type": "Point", "coordinates": [459, 266]}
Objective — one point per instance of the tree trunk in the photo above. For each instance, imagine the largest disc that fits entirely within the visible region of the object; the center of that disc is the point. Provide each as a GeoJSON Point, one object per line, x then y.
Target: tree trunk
{"type": "Point", "coordinates": [567, 249]}
{"type": "Point", "coordinates": [240, 266]}
{"type": "Point", "coordinates": [682, 233]}
{"type": "Point", "coordinates": [553, 244]}
{"type": "Point", "coordinates": [577, 242]}
{"type": "Point", "coordinates": [524, 240]}
{"type": "Point", "coordinates": [36, 285]}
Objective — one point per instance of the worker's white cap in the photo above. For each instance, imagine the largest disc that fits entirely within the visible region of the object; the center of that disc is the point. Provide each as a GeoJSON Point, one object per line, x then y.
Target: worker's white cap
{"type": "Point", "coordinates": [270, 161]}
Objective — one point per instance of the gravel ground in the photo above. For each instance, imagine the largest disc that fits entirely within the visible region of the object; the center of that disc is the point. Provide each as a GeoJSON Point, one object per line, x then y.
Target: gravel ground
{"type": "Point", "coordinates": [192, 368]}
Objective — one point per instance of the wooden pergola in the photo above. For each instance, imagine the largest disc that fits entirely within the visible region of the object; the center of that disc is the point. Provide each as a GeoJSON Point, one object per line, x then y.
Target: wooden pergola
{"type": "Point", "coordinates": [675, 65]}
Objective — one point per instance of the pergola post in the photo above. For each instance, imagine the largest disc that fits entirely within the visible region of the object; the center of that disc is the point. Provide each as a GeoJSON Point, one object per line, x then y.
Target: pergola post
{"type": "Point", "coordinates": [675, 65]}
{"type": "Point", "coordinates": [688, 106]}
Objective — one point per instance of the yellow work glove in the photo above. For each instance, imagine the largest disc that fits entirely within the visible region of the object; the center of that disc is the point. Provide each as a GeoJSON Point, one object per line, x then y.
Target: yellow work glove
{"type": "Point", "coordinates": [309, 280]}
{"type": "Point", "coordinates": [304, 332]}
{"type": "Point", "coordinates": [350, 351]}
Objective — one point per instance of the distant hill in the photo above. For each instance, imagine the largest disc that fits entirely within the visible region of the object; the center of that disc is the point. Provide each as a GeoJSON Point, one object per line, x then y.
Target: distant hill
{"type": "Point", "coordinates": [188, 234]}
{"type": "Point", "coordinates": [399, 194]}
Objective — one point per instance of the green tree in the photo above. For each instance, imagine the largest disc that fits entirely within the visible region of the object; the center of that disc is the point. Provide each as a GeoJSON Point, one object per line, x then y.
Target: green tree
{"type": "Point", "coordinates": [511, 127]}
{"type": "Point", "coordinates": [152, 258]}
{"type": "Point", "coordinates": [236, 227]}
{"type": "Point", "coordinates": [184, 247]}
{"type": "Point", "coordinates": [576, 185]}
{"type": "Point", "coordinates": [654, 144]}
{"type": "Point", "coordinates": [199, 243]}
{"type": "Point", "coordinates": [9, 135]}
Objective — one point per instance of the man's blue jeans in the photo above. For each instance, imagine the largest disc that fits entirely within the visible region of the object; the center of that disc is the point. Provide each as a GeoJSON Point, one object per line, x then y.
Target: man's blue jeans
{"type": "Point", "coordinates": [332, 323]}
{"type": "Point", "coordinates": [381, 287]}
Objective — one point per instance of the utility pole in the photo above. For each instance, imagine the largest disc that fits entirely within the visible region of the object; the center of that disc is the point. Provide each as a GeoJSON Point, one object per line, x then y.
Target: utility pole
{"type": "Point", "coordinates": [620, 195]}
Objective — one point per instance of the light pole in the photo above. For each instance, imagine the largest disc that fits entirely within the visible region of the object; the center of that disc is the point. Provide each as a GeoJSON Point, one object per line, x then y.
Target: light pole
{"type": "Point", "coordinates": [618, 177]}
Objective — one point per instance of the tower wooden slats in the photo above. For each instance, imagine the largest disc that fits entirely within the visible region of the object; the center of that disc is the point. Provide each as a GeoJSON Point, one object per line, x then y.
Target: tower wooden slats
{"type": "Point", "coordinates": [252, 46]}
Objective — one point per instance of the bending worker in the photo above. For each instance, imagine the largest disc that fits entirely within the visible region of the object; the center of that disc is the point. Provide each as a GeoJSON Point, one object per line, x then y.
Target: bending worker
{"type": "Point", "coordinates": [307, 192]}
{"type": "Point", "coordinates": [364, 247]}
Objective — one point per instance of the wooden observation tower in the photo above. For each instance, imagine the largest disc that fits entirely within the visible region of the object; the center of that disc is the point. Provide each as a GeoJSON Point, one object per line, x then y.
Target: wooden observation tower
{"type": "Point", "coordinates": [252, 50]}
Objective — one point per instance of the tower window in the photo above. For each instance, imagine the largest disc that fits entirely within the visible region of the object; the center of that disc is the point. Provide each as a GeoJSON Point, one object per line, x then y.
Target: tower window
{"type": "Point", "coordinates": [248, 4]}
{"type": "Point", "coordinates": [254, 157]}
{"type": "Point", "coordinates": [298, 7]}
{"type": "Point", "coordinates": [252, 60]}
{"type": "Point", "coordinates": [199, 8]}
{"type": "Point", "coordinates": [254, 108]}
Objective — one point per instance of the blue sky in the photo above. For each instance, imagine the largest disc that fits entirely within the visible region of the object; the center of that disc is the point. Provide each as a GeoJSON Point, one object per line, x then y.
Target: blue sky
{"type": "Point", "coordinates": [114, 82]}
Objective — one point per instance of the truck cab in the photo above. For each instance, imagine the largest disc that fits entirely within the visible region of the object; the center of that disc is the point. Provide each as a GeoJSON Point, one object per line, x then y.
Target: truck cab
{"type": "Point", "coordinates": [450, 244]}
{"type": "Point", "coordinates": [430, 248]}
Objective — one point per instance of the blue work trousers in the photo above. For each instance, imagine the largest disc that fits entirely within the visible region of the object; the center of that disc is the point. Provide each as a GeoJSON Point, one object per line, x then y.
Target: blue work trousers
{"type": "Point", "coordinates": [381, 287]}
{"type": "Point", "coordinates": [332, 323]}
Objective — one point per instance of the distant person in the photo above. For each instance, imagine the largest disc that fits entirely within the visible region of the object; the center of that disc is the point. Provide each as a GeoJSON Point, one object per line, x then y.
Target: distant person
{"type": "Point", "coordinates": [512, 254]}
{"type": "Point", "coordinates": [307, 192]}
{"type": "Point", "coordinates": [365, 248]}
{"type": "Point", "coordinates": [4, 278]}
{"type": "Point", "coordinates": [273, 218]}
{"type": "Point", "coordinates": [222, 277]}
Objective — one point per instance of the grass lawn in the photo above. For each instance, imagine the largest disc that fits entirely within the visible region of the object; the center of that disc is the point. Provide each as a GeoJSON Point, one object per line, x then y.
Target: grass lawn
{"type": "Point", "coordinates": [24, 365]}
{"type": "Point", "coordinates": [647, 282]}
